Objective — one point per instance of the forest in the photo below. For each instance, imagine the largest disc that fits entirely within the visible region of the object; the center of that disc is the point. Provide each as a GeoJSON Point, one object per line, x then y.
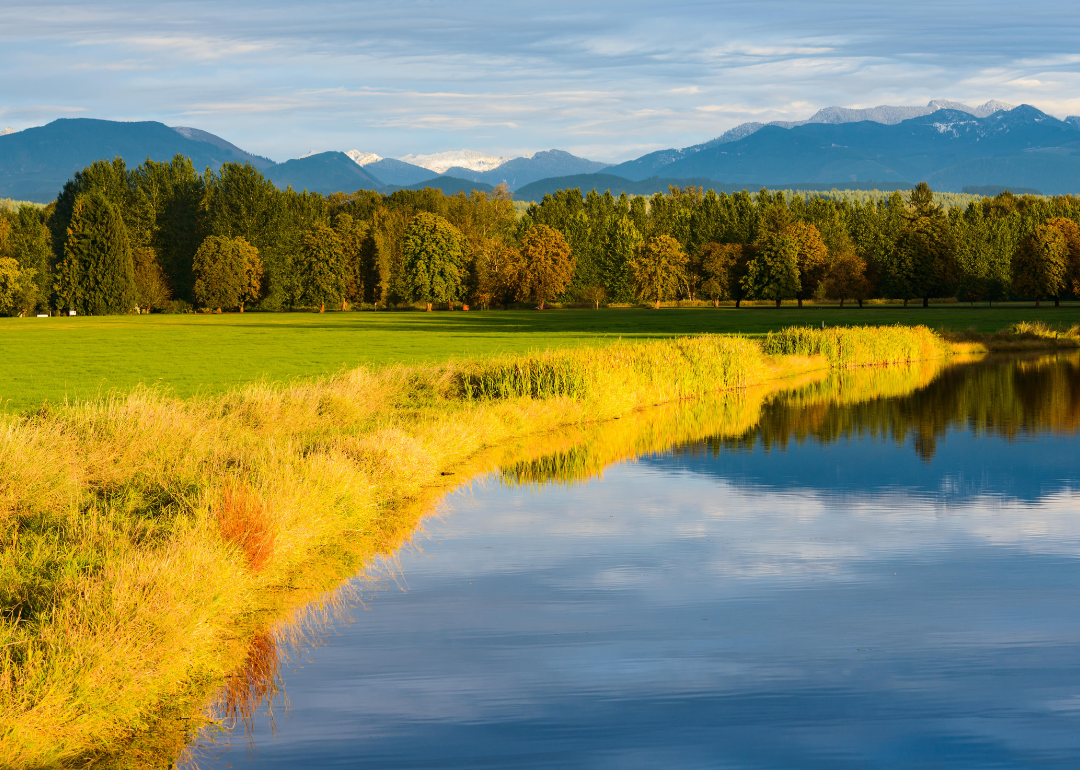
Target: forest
{"type": "Point", "coordinates": [163, 237]}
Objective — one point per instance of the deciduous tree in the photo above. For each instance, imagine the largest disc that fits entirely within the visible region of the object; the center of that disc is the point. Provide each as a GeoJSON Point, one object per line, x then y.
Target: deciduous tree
{"type": "Point", "coordinates": [228, 273]}
{"type": "Point", "coordinates": [434, 260]}
{"type": "Point", "coordinates": [321, 269]}
{"type": "Point", "coordinates": [18, 292]}
{"type": "Point", "coordinates": [546, 266]}
{"type": "Point", "coordinates": [846, 277]}
{"type": "Point", "coordinates": [773, 273]}
{"type": "Point", "coordinates": [658, 269]}
{"type": "Point", "coordinates": [1039, 265]}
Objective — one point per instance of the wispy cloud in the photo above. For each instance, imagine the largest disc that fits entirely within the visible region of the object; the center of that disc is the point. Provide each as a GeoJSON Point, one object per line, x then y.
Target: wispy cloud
{"type": "Point", "coordinates": [400, 76]}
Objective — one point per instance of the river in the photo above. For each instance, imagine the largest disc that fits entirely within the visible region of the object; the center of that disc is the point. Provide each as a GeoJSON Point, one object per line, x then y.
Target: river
{"type": "Point", "coordinates": [877, 571]}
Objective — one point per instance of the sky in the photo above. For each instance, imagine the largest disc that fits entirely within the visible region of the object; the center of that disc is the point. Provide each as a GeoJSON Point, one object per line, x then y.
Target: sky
{"type": "Point", "coordinates": [608, 81]}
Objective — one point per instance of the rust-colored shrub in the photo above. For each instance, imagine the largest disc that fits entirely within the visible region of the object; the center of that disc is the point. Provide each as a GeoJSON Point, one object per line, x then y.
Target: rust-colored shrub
{"type": "Point", "coordinates": [245, 520]}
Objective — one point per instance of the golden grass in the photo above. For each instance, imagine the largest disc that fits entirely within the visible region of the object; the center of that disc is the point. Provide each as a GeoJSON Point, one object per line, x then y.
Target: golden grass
{"type": "Point", "coordinates": [139, 535]}
{"type": "Point", "coordinates": [1025, 335]}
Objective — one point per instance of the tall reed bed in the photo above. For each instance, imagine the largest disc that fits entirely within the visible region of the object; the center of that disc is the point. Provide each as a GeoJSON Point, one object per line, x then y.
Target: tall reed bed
{"type": "Point", "coordinates": [138, 532]}
{"type": "Point", "coordinates": [846, 346]}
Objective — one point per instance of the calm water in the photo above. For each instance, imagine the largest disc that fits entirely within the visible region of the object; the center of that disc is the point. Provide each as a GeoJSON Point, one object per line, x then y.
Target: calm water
{"type": "Point", "coordinates": [842, 581]}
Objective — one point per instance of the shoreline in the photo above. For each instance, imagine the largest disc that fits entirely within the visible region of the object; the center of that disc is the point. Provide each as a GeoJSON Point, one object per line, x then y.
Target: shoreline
{"type": "Point", "coordinates": [272, 495]}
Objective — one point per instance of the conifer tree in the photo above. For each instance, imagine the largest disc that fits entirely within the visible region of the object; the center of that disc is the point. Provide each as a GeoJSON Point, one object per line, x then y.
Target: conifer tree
{"type": "Point", "coordinates": [97, 275]}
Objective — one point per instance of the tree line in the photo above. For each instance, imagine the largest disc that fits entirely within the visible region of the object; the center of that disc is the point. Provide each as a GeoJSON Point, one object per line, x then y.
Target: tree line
{"type": "Point", "coordinates": [163, 236]}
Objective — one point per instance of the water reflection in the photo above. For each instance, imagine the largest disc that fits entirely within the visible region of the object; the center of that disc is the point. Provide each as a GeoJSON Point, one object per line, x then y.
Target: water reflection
{"type": "Point", "coordinates": [879, 569]}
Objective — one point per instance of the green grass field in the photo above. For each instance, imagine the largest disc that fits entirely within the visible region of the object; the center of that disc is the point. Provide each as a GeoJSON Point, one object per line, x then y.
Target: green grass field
{"type": "Point", "coordinates": [57, 358]}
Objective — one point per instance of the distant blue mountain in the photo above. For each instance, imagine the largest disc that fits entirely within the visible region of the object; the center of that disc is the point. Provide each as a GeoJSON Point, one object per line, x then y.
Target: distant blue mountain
{"type": "Point", "coordinates": [398, 172]}
{"type": "Point", "coordinates": [521, 171]}
{"type": "Point", "coordinates": [35, 162]}
{"type": "Point", "coordinates": [326, 173]}
{"type": "Point", "coordinates": [948, 148]}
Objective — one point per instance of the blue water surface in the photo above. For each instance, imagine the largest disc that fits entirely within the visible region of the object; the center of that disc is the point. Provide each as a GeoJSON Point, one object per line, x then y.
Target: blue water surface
{"type": "Point", "coordinates": [849, 603]}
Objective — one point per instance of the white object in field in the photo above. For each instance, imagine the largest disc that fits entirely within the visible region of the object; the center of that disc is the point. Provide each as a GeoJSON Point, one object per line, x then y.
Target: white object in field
{"type": "Point", "coordinates": [42, 315]}
{"type": "Point", "coordinates": [71, 312]}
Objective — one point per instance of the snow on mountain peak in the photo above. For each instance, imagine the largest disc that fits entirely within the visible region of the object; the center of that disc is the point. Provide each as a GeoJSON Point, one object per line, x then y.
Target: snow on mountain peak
{"type": "Point", "coordinates": [6, 131]}
{"type": "Point", "coordinates": [441, 161]}
{"type": "Point", "coordinates": [363, 158]}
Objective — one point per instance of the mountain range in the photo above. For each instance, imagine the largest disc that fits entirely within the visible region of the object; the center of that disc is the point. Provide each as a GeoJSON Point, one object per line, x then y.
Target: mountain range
{"type": "Point", "coordinates": [947, 144]}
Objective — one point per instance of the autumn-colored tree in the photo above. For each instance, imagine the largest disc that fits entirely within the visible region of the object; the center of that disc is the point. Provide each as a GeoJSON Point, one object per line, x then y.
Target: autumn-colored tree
{"type": "Point", "coordinates": [496, 268]}
{"type": "Point", "coordinates": [227, 272]}
{"type": "Point", "coordinates": [97, 275]}
{"type": "Point", "coordinates": [846, 277]}
{"type": "Point", "coordinates": [546, 266]}
{"type": "Point", "coordinates": [1039, 265]}
{"type": "Point", "coordinates": [18, 292]}
{"type": "Point", "coordinates": [773, 273]}
{"type": "Point", "coordinates": [434, 260]}
{"type": "Point", "coordinates": [658, 267]}
{"type": "Point", "coordinates": [1071, 231]}
{"type": "Point", "coordinates": [719, 264]}
{"type": "Point", "coordinates": [321, 270]}
{"type": "Point", "coordinates": [594, 295]}
{"type": "Point", "coordinates": [151, 285]}
{"type": "Point", "coordinates": [31, 247]}
{"type": "Point", "coordinates": [813, 259]}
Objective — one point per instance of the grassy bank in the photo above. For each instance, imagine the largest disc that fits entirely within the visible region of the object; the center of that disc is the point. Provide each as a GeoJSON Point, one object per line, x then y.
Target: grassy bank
{"type": "Point", "coordinates": [82, 358]}
{"type": "Point", "coordinates": [142, 533]}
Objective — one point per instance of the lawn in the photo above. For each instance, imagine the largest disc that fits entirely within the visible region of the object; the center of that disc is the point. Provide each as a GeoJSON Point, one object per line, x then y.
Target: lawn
{"type": "Point", "coordinates": [53, 358]}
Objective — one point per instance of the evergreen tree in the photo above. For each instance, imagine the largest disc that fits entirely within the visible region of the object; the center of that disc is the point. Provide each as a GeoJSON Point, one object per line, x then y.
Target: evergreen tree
{"type": "Point", "coordinates": [97, 274]}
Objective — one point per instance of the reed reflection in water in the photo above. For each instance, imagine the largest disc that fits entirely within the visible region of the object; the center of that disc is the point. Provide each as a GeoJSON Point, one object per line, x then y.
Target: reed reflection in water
{"type": "Point", "coordinates": [880, 569]}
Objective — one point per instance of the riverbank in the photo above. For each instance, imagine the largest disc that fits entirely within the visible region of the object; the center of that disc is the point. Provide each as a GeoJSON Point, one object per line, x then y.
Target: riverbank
{"type": "Point", "coordinates": [142, 534]}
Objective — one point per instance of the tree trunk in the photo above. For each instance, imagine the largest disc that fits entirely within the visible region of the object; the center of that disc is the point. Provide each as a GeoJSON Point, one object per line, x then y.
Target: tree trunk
{"type": "Point", "coordinates": [1036, 302]}
{"type": "Point", "coordinates": [1057, 301]}
{"type": "Point", "coordinates": [860, 303]}
{"type": "Point", "coordinates": [450, 304]}
{"type": "Point", "coordinates": [738, 304]}
{"type": "Point", "coordinates": [344, 305]}
{"type": "Point", "coordinates": [429, 307]}
{"type": "Point", "coordinates": [241, 307]}
{"type": "Point", "coordinates": [322, 308]}
{"type": "Point", "coordinates": [905, 303]}
{"type": "Point", "coordinates": [657, 306]}
{"type": "Point", "coordinates": [926, 302]}
{"type": "Point", "coordinates": [800, 303]}
{"type": "Point", "coordinates": [716, 303]}
{"type": "Point", "coordinates": [841, 302]}
{"type": "Point", "coordinates": [778, 302]}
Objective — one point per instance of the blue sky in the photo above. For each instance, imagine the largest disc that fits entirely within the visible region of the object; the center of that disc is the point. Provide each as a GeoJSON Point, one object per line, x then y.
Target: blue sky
{"type": "Point", "coordinates": [607, 81]}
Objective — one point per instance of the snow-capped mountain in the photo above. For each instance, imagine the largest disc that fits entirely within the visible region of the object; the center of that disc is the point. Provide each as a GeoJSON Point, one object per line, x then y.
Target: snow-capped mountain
{"type": "Point", "coordinates": [649, 165]}
{"type": "Point", "coordinates": [363, 158]}
{"type": "Point", "coordinates": [470, 159]}
{"type": "Point", "coordinates": [6, 131]}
